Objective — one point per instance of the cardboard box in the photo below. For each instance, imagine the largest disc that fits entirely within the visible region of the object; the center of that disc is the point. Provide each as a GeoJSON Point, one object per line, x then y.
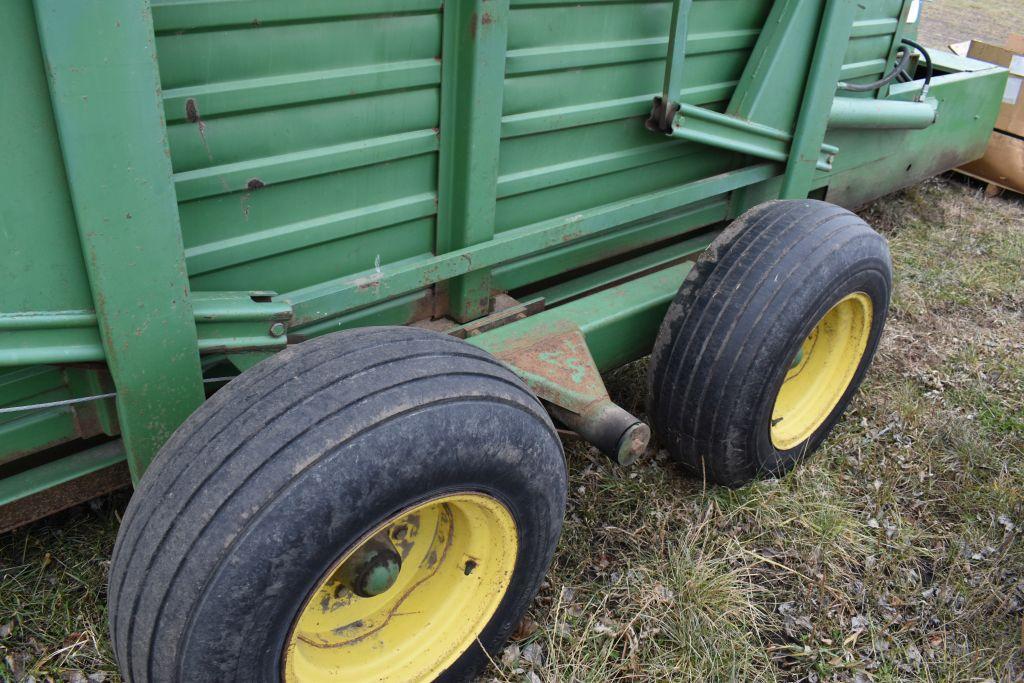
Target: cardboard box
{"type": "Point", "coordinates": [1015, 43]}
{"type": "Point", "coordinates": [1011, 113]}
{"type": "Point", "coordinates": [1002, 165]}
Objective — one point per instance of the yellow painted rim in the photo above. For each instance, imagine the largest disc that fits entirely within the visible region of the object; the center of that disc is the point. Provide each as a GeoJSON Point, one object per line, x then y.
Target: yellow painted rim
{"type": "Point", "coordinates": [458, 555]}
{"type": "Point", "coordinates": [823, 369]}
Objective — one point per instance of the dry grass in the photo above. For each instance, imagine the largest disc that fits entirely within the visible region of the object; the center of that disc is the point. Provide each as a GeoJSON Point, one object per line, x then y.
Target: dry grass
{"type": "Point", "coordinates": [53, 581]}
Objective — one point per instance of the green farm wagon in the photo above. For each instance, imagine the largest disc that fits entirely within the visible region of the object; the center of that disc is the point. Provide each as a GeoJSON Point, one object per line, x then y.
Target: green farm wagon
{"type": "Point", "coordinates": [321, 277]}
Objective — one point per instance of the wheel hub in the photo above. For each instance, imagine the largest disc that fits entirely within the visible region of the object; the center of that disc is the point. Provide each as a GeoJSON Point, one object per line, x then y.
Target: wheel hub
{"type": "Point", "coordinates": [408, 599]}
{"type": "Point", "coordinates": [373, 569]}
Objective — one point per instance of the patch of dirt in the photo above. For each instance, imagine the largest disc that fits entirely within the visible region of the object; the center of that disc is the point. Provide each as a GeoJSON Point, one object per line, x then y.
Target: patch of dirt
{"type": "Point", "coordinates": [952, 21]}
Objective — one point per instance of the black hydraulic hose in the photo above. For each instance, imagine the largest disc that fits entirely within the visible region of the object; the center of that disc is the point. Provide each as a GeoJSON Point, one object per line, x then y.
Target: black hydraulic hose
{"type": "Point", "coordinates": [899, 72]}
{"type": "Point", "coordinates": [885, 80]}
{"type": "Point", "coordinates": [929, 70]}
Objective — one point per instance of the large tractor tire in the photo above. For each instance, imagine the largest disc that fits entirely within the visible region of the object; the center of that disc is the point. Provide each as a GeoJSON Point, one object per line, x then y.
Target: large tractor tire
{"type": "Point", "coordinates": [374, 505]}
{"type": "Point", "coordinates": [768, 340]}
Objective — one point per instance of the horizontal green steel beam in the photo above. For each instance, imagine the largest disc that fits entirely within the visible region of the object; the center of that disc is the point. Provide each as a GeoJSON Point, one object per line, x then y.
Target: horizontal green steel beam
{"type": "Point", "coordinates": [613, 244]}
{"type": "Point", "coordinates": [57, 472]}
{"type": "Point", "coordinates": [344, 294]}
{"type": "Point", "coordinates": [625, 270]}
{"type": "Point", "coordinates": [175, 15]}
{"type": "Point", "coordinates": [225, 321]}
{"type": "Point", "coordinates": [707, 127]}
{"type": "Point", "coordinates": [36, 431]}
{"type": "Point", "coordinates": [619, 323]}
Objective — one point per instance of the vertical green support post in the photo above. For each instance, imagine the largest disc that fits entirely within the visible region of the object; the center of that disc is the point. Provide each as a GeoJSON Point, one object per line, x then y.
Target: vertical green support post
{"type": "Point", "coordinates": [105, 88]}
{"type": "Point", "coordinates": [894, 48]}
{"type": "Point", "coordinates": [676, 50]}
{"type": "Point", "coordinates": [812, 124]}
{"type": "Point", "coordinates": [777, 55]}
{"type": "Point", "coordinates": [472, 88]}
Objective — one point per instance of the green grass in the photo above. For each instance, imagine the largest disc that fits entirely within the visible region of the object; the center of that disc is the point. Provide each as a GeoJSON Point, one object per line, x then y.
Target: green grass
{"type": "Point", "coordinates": [892, 555]}
{"type": "Point", "coordinates": [53, 580]}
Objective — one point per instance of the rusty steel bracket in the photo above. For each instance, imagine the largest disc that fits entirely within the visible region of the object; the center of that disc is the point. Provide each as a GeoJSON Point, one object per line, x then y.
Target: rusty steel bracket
{"type": "Point", "coordinates": [558, 367]}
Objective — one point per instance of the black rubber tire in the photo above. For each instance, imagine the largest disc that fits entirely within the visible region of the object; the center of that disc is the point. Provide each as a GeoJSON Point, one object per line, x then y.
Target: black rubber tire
{"type": "Point", "coordinates": [254, 498]}
{"type": "Point", "coordinates": [737, 323]}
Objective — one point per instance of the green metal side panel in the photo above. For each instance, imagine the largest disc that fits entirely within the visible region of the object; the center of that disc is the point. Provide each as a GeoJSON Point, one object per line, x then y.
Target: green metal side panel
{"type": "Point", "coordinates": [305, 145]}
{"type": "Point", "coordinates": [41, 266]}
{"type": "Point", "coordinates": [304, 137]}
{"type": "Point", "coordinates": [299, 167]}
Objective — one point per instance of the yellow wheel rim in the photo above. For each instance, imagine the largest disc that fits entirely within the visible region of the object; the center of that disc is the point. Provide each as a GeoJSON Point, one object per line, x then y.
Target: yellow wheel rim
{"type": "Point", "coordinates": [822, 370]}
{"type": "Point", "coordinates": [457, 553]}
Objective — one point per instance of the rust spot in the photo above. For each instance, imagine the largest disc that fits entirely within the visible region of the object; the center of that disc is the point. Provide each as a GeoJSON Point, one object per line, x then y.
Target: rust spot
{"type": "Point", "coordinates": [486, 19]}
{"type": "Point", "coordinates": [368, 283]}
{"type": "Point", "coordinates": [192, 111]}
{"type": "Point", "coordinates": [560, 356]}
{"type": "Point", "coordinates": [472, 26]}
{"type": "Point", "coordinates": [192, 115]}
{"type": "Point", "coordinates": [255, 184]}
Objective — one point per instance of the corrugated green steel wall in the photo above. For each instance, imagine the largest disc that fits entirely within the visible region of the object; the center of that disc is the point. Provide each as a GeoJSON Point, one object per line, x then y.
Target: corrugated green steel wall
{"type": "Point", "coordinates": [305, 144]}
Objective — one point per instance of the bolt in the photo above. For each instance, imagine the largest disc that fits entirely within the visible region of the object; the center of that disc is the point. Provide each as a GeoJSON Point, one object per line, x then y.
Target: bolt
{"type": "Point", "coordinates": [277, 330]}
